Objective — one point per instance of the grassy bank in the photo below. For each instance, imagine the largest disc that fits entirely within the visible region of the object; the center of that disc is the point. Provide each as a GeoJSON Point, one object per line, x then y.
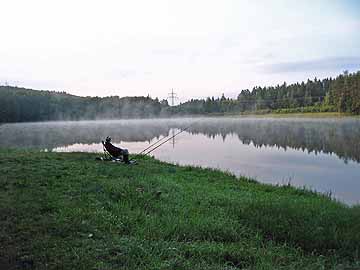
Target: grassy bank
{"type": "Point", "coordinates": [305, 115]}
{"type": "Point", "coordinates": [68, 211]}
{"type": "Point", "coordinates": [280, 114]}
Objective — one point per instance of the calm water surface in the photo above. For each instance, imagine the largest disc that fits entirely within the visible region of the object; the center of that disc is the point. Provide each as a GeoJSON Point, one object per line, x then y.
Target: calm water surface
{"type": "Point", "coordinates": [321, 154]}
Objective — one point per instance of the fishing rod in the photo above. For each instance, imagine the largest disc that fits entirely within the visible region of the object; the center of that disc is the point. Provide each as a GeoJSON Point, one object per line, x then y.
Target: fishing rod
{"type": "Point", "coordinates": [181, 131]}
{"type": "Point", "coordinates": [152, 145]}
{"type": "Point", "coordinates": [160, 141]}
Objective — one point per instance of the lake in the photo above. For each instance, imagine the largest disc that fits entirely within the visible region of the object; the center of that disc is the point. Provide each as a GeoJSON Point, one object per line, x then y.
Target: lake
{"type": "Point", "coordinates": [321, 154]}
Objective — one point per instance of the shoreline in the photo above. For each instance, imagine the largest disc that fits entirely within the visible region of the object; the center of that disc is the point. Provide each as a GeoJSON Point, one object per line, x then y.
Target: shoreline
{"type": "Point", "coordinates": [319, 115]}
{"type": "Point", "coordinates": [68, 210]}
{"type": "Point", "coordinates": [290, 115]}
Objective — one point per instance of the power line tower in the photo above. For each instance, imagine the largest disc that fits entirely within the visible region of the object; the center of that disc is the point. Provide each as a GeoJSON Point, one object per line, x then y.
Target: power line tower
{"type": "Point", "coordinates": [172, 96]}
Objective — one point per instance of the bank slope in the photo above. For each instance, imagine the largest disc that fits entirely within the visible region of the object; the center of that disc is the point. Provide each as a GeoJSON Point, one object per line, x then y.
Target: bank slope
{"type": "Point", "coordinates": [66, 210]}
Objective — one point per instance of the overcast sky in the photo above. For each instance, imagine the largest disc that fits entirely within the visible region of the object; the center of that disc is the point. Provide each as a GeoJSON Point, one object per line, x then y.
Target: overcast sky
{"type": "Point", "coordinates": [199, 48]}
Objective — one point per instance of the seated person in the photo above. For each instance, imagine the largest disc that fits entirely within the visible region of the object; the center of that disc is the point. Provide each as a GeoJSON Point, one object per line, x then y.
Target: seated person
{"type": "Point", "coordinates": [114, 151]}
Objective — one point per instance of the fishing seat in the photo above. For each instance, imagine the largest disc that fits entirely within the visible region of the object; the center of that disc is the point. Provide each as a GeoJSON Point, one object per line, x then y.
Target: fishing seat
{"type": "Point", "coordinates": [114, 152]}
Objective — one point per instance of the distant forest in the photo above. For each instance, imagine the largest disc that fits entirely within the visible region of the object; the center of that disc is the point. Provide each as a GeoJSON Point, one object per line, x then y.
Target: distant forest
{"type": "Point", "coordinates": [24, 105]}
{"type": "Point", "coordinates": [341, 94]}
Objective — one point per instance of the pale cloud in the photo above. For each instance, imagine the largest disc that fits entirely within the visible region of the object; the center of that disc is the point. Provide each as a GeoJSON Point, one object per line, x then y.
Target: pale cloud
{"type": "Point", "coordinates": [326, 64]}
{"type": "Point", "coordinates": [200, 48]}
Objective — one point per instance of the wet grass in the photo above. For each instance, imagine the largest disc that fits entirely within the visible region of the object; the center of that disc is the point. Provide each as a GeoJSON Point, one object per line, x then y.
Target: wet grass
{"type": "Point", "coordinates": [309, 115]}
{"type": "Point", "coordinates": [275, 114]}
{"type": "Point", "coordinates": [68, 211]}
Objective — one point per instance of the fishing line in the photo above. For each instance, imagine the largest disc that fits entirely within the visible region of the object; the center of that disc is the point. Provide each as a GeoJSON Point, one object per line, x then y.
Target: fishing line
{"type": "Point", "coordinates": [164, 141]}
{"type": "Point", "coordinates": [165, 138]}
{"type": "Point", "coordinates": [152, 145]}
{"type": "Point", "coordinates": [168, 140]}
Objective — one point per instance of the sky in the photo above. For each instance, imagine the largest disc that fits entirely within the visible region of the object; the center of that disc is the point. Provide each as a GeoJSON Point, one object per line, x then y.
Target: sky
{"type": "Point", "coordinates": [199, 48]}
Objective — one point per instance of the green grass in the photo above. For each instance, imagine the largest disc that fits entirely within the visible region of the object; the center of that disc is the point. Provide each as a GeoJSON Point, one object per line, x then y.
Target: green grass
{"type": "Point", "coordinates": [285, 113]}
{"type": "Point", "coordinates": [305, 115]}
{"type": "Point", "coordinates": [68, 211]}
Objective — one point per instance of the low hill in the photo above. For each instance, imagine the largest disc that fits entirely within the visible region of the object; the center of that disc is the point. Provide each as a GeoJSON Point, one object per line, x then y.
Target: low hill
{"type": "Point", "coordinates": [340, 94]}
{"type": "Point", "coordinates": [24, 105]}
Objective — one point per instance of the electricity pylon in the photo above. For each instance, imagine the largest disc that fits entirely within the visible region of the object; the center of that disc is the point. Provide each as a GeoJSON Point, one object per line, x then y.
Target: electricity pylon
{"type": "Point", "coordinates": [172, 96]}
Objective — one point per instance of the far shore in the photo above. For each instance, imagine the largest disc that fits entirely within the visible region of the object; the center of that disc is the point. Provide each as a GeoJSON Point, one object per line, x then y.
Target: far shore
{"type": "Point", "coordinates": [230, 115]}
{"type": "Point", "coordinates": [306, 115]}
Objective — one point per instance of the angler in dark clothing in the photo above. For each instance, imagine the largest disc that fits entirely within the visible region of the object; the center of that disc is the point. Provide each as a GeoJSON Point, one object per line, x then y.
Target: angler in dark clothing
{"type": "Point", "coordinates": [116, 152]}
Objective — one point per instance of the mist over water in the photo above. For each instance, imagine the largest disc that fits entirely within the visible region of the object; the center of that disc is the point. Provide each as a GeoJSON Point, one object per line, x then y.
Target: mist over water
{"type": "Point", "coordinates": [322, 154]}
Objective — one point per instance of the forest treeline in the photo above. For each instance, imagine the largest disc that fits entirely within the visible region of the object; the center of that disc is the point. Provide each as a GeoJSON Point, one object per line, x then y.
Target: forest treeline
{"type": "Point", "coordinates": [25, 105]}
{"type": "Point", "coordinates": [340, 94]}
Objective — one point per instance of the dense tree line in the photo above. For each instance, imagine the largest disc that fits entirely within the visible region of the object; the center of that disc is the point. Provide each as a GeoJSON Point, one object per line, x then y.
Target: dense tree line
{"type": "Point", "coordinates": [344, 93]}
{"type": "Point", "coordinates": [340, 94]}
{"type": "Point", "coordinates": [24, 105]}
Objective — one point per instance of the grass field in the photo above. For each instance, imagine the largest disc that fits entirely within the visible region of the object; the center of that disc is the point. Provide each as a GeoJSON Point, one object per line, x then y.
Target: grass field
{"type": "Point", "coordinates": [308, 115]}
{"type": "Point", "coordinates": [278, 114]}
{"type": "Point", "coordinates": [68, 211]}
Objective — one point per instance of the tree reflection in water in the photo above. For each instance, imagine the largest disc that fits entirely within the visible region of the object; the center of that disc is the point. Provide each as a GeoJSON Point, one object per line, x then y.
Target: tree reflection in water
{"type": "Point", "coordinates": [330, 136]}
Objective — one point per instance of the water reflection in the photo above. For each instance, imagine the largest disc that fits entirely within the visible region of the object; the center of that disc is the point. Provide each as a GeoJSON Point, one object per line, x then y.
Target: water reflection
{"type": "Point", "coordinates": [338, 136]}
{"type": "Point", "coordinates": [323, 154]}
